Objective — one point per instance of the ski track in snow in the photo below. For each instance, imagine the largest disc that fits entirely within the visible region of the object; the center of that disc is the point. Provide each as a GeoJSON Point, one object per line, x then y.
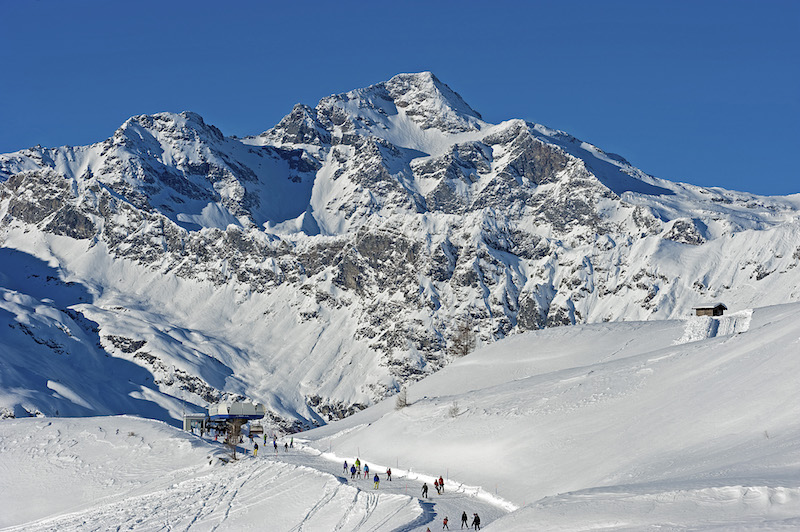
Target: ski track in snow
{"type": "Point", "coordinates": [221, 499]}
{"type": "Point", "coordinates": [455, 499]}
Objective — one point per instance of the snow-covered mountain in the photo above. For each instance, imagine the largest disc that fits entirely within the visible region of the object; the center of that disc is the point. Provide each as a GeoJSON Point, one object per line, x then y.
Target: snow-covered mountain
{"type": "Point", "coordinates": [324, 263]}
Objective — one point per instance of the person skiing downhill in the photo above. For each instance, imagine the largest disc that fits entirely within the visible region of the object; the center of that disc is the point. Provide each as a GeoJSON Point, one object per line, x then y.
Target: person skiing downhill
{"type": "Point", "coordinates": [366, 471]}
{"type": "Point", "coordinates": [352, 472]}
{"type": "Point", "coordinates": [389, 474]}
{"type": "Point", "coordinates": [436, 484]}
{"type": "Point", "coordinates": [425, 489]}
{"type": "Point", "coordinates": [464, 520]}
{"type": "Point", "coordinates": [444, 524]}
{"type": "Point", "coordinates": [358, 465]}
{"type": "Point", "coordinates": [441, 484]}
{"type": "Point", "coordinates": [377, 480]}
{"type": "Point", "coordinates": [345, 466]}
{"type": "Point", "coordinates": [476, 522]}
{"type": "Point", "coordinates": [255, 449]}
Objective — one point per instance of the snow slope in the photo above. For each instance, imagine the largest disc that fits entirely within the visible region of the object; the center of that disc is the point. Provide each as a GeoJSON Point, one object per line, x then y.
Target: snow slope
{"type": "Point", "coordinates": [610, 426]}
{"type": "Point", "coordinates": [634, 426]}
{"type": "Point", "coordinates": [109, 472]}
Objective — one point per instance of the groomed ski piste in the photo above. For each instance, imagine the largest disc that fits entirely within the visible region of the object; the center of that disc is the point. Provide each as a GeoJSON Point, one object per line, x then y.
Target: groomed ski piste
{"type": "Point", "coordinates": [126, 472]}
{"type": "Point", "coordinates": [632, 426]}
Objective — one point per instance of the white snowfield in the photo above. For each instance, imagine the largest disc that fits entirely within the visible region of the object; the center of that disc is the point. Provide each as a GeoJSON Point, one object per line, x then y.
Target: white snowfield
{"type": "Point", "coordinates": [611, 426]}
{"type": "Point", "coordinates": [111, 473]}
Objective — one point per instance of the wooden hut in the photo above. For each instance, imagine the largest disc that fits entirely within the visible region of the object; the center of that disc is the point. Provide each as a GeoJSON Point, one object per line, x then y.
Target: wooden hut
{"type": "Point", "coordinates": [712, 309]}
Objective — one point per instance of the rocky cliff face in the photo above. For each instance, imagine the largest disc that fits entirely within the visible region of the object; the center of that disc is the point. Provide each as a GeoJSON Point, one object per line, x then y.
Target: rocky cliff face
{"type": "Point", "coordinates": [374, 224]}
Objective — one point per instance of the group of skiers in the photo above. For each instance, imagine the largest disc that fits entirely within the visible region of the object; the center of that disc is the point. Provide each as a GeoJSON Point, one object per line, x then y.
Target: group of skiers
{"type": "Point", "coordinates": [286, 445]}
{"type": "Point", "coordinates": [359, 470]}
{"type": "Point", "coordinates": [438, 483]}
{"type": "Point", "coordinates": [355, 472]}
{"type": "Point", "coordinates": [476, 522]}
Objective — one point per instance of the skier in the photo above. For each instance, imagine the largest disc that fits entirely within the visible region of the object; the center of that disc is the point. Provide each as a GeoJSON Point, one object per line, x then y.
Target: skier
{"type": "Point", "coordinates": [436, 485]}
{"type": "Point", "coordinates": [389, 474]}
{"type": "Point", "coordinates": [275, 445]}
{"type": "Point", "coordinates": [444, 524]}
{"type": "Point", "coordinates": [366, 471]}
{"type": "Point", "coordinates": [255, 449]}
{"type": "Point", "coordinates": [345, 466]}
{"type": "Point", "coordinates": [265, 438]}
{"type": "Point", "coordinates": [476, 522]}
{"type": "Point", "coordinates": [441, 484]}
{"type": "Point", "coordinates": [425, 489]}
{"type": "Point", "coordinates": [291, 443]}
{"type": "Point", "coordinates": [376, 480]}
{"type": "Point", "coordinates": [352, 472]}
{"type": "Point", "coordinates": [358, 465]}
{"type": "Point", "coordinates": [285, 447]}
{"type": "Point", "coordinates": [464, 520]}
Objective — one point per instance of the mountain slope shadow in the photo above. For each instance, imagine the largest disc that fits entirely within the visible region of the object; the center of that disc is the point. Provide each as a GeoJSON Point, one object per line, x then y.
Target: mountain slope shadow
{"type": "Point", "coordinates": [52, 361]}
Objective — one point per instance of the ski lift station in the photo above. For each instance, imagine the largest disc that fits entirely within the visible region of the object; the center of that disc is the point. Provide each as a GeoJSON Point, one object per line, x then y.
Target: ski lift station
{"type": "Point", "coordinates": [230, 411]}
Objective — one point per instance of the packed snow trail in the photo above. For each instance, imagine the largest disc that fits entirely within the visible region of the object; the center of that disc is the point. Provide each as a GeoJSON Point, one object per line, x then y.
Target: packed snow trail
{"type": "Point", "coordinates": [455, 499]}
{"type": "Point", "coordinates": [124, 472]}
{"type": "Point", "coordinates": [111, 473]}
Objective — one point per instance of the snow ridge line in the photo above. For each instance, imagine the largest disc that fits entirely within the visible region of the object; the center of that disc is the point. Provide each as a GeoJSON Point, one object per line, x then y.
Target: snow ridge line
{"type": "Point", "coordinates": [473, 491]}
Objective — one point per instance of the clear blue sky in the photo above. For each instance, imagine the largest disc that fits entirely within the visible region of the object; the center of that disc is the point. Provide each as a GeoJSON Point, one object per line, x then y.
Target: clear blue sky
{"type": "Point", "coordinates": [699, 91]}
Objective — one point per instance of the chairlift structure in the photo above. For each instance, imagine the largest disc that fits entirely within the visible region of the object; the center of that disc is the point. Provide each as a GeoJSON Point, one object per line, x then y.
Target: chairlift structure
{"type": "Point", "coordinates": [233, 410]}
{"type": "Point", "coordinates": [227, 417]}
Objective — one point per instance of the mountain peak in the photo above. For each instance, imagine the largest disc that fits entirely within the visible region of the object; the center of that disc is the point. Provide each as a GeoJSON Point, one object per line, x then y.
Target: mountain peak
{"type": "Point", "coordinates": [426, 86]}
{"type": "Point", "coordinates": [419, 97]}
{"type": "Point", "coordinates": [432, 103]}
